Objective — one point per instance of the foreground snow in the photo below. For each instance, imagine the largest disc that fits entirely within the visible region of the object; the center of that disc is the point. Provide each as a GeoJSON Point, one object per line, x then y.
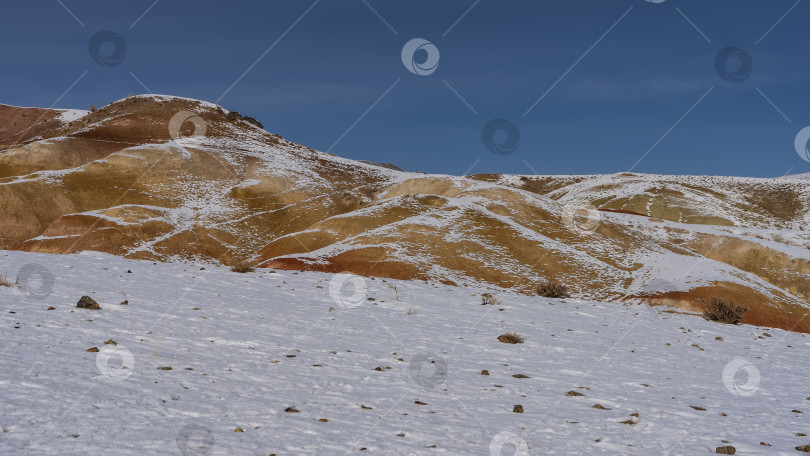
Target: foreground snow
{"type": "Point", "coordinates": [243, 348]}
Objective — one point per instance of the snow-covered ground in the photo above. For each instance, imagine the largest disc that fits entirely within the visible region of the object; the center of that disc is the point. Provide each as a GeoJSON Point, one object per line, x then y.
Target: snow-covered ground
{"type": "Point", "coordinates": [243, 348]}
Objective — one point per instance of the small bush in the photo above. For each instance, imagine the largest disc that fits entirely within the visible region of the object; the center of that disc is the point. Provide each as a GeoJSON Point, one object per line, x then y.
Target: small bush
{"type": "Point", "coordinates": [724, 311]}
{"type": "Point", "coordinates": [553, 289]}
{"type": "Point", "coordinates": [487, 299]}
{"type": "Point", "coordinates": [6, 282]}
{"type": "Point", "coordinates": [242, 267]}
{"type": "Point", "coordinates": [510, 338]}
{"type": "Point", "coordinates": [413, 311]}
{"type": "Point", "coordinates": [92, 108]}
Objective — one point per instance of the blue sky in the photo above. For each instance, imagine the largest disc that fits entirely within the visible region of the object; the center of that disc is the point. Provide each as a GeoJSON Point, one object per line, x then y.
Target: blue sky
{"type": "Point", "coordinates": [619, 79]}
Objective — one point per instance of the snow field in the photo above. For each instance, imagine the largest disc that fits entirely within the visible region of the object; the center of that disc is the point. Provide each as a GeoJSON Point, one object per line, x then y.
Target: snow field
{"type": "Point", "coordinates": [276, 354]}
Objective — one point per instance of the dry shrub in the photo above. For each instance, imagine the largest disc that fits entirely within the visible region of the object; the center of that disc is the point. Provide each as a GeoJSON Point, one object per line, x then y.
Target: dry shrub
{"type": "Point", "coordinates": [242, 267]}
{"type": "Point", "coordinates": [6, 282]}
{"type": "Point", "coordinates": [724, 311]}
{"type": "Point", "coordinates": [487, 299]}
{"type": "Point", "coordinates": [553, 289]}
{"type": "Point", "coordinates": [510, 338]}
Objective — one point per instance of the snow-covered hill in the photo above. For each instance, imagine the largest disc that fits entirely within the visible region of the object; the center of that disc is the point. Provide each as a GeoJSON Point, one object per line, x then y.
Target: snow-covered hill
{"type": "Point", "coordinates": [314, 363]}
{"type": "Point", "coordinates": [165, 178]}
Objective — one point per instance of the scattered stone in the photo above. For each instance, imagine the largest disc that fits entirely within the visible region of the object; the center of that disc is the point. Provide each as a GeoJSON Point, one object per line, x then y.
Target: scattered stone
{"type": "Point", "coordinates": [764, 444]}
{"type": "Point", "coordinates": [129, 272]}
{"type": "Point", "coordinates": [51, 308]}
{"type": "Point", "coordinates": [766, 334]}
{"type": "Point", "coordinates": [291, 410]}
{"type": "Point", "coordinates": [365, 407]}
{"type": "Point", "coordinates": [420, 403]}
{"type": "Point", "coordinates": [728, 449]}
{"type": "Point", "coordinates": [323, 420]}
{"type": "Point", "coordinates": [110, 342]}
{"type": "Point", "coordinates": [93, 349]}
{"type": "Point", "coordinates": [601, 407]}
{"type": "Point", "coordinates": [378, 369]}
{"type": "Point", "coordinates": [803, 448]}
{"type": "Point", "coordinates": [86, 302]}
{"type": "Point", "coordinates": [518, 408]}
{"type": "Point", "coordinates": [801, 434]}
{"type": "Point", "coordinates": [796, 411]}
{"type": "Point", "coordinates": [125, 303]}
{"type": "Point", "coordinates": [238, 430]}
{"type": "Point", "coordinates": [520, 376]}
{"type": "Point", "coordinates": [484, 372]}
{"type": "Point", "coordinates": [700, 409]}
{"type": "Point", "coordinates": [719, 338]}
{"type": "Point", "coordinates": [574, 393]}
{"type": "Point", "coordinates": [165, 368]}
{"type": "Point", "coordinates": [253, 121]}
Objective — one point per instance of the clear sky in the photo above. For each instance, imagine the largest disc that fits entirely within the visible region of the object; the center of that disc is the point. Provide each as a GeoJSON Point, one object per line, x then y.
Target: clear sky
{"type": "Point", "coordinates": [590, 86]}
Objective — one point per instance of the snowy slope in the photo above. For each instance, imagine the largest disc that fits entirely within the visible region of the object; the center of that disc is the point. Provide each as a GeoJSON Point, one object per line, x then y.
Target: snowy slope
{"type": "Point", "coordinates": [69, 115]}
{"type": "Point", "coordinates": [243, 348]}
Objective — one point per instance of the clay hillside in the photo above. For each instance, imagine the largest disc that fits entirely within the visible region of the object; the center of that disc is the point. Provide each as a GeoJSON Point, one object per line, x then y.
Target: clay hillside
{"type": "Point", "coordinates": [128, 180]}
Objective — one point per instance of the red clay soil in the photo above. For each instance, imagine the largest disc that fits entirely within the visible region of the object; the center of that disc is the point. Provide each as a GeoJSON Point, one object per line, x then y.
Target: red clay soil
{"type": "Point", "coordinates": [364, 262]}
{"type": "Point", "coordinates": [16, 124]}
{"type": "Point", "coordinates": [761, 310]}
